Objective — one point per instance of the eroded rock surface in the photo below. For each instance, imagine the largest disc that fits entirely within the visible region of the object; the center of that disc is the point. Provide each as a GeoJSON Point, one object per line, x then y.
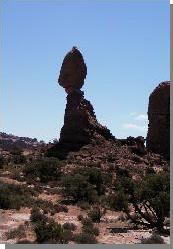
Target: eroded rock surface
{"type": "Point", "coordinates": [158, 137]}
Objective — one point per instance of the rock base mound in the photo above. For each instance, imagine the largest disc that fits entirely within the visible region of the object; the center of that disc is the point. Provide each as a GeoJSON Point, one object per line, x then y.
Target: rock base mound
{"type": "Point", "coordinates": [80, 126]}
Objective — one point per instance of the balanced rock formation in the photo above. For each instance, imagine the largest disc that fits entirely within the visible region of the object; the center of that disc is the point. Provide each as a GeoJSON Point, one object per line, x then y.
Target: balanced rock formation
{"type": "Point", "coordinates": [80, 124]}
{"type": "Point", "coordinates": [158, 137]}
{"type": "Point", "coordinates": [73, 71]}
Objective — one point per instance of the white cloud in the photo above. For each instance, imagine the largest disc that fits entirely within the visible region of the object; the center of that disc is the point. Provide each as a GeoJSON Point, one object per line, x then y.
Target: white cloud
{"type": "Point", "coordinates": [131, 126]}
{"type": "Point", "coordinates": [141, 117]}
{"type": "Point", "coordinates": [132, 114]}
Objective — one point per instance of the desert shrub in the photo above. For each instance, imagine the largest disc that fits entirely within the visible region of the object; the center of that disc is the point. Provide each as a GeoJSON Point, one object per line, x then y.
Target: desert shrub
{"type": "Point", "coordinates": [88, 227]}
{"type": "Point", "coordinates": [47, 169]}
{"type": "Point", "coordinates": [14, 197]}
{"type": "Point", "coordinates": [60, 208]}
{"type": "Point", "coordinates": [122, 172]}
{"type": "Point", "coordinates": [167, 222]}
{"type": "Point", "coordinates": [77, 187]}
{"type": "Point", "coordinates": [80, 217]}
{"type": "Point", "coordinates": [16, 151]}
{"type": "Point", "coordinates": [49, 207]}
{"type": "Point", "coordinates": [118, 201]}
{"type": "Point", "coordinates": [152, 193]}
{"type": "Point", "coordinates": [18, 159]}
{"type": "Point", "coordinates": [50, 232]}
{"type": "Point", "coordinates": [85, 186]}
{"type": "Point", "coordinates": [2, 161]}
{"type": "Point", "coordinates": [69, 226]}
{"type": "Point", "coordinates": [85, 238]}
{"type": "Point", "coordinates": [45, 205]}
{"type": "Point", "coordinates": [150, 170]}
{"type": "Point", "coordinates": [67, 236]}
{"type": "Point", "coordinates": [95, 177]}
{"type": "Point", "coordinates": [122, 217]}
{"type": "Point", "coordinates": [88, 234]}
{"type": "Point", "coordinates": [18, 232]}
{"type": "Point", "coordinates": [154, 239]}
{"type": "Point", "coordinates": [24, 241]}
{"type": "Point", "coordinates": [84, 205]}
{"type": "Point", "coordinates": [37, 215]}
{"type": "Point", "coordinates": [96, 213]}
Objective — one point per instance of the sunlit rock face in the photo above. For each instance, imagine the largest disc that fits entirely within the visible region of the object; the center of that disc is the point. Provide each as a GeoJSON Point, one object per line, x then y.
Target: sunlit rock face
{"type": "Point", "coordinates": [158, 137]}
{"type": "Point", "coordinates": [73, 71]}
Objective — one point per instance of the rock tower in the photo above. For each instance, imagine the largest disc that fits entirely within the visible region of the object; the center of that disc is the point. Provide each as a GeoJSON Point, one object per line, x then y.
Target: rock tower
{"type": "Point", "coordinates": [80, 124]}
{"type": "Point", "coordinates": [158, 137]}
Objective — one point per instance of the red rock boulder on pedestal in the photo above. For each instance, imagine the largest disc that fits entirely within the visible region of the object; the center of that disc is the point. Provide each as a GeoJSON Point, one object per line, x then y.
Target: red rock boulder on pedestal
{"type": "Point", "coordinates": [73, 71]}
{"type": "Point", "coordinates": [158, 137]}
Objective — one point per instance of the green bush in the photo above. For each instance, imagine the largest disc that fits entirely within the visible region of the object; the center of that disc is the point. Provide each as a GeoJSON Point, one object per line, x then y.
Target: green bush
{"type": "Point", "coordinates": [18, 159]}
{"type": "Point", "coordinates": [47, 169]}
{"type": "Point", "coordinates": [18, 232]}
{"type": "Point", "coordinates": [14, 197]}
{"type": "Point", "coordinates": [16, 151]}
{"type": "Point", "coordinates": [122, 172]}
{"type": "Point", "coordinates": [80, 217]}
{"type": "Point", "coordinates": [118, 201]}
{"type": "Point", "coordinates": [48, 232]}
{"type": "Point", "coordinates": [84, 205]}
{"type": "Point", "coordinates": [152, 193]}
{"type": "Point", "coordinates": [2, 161]}
{"type": "Point", "coordinates": [88, 227]}
{"type": "Point", "coordinates": [37, 216]}
{"type": "Point", "coordinates": [60, 208]}
{"type": "Point", "coordinates": [96, 213]}
{"type": "Point", "coordinates": [154, 239]}
{"type": "Point", "coordinates": [69, 226]}
{"type": "Point", "coordinates": [88, 234]}
{"type": "Point", "coordinates": [77, 187]}
{"type": "Point", "coordinates": [85, 186]}
{"type": "Point", "coordinates": [85, 238]}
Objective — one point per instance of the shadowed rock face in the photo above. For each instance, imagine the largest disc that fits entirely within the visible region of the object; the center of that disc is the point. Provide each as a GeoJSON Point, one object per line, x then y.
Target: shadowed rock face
{"type": "Point", "coordinates": [73, 71]}
{"type": "Point", "coordinates": [80, 123]}
{"type": "Point", "coordinates": [80, 127]}
{"type": "Point", "coordinates": [158, 137]}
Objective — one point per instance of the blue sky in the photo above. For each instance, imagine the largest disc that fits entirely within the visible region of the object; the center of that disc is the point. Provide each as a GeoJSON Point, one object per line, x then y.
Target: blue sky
{"type": "Point", "coordinates": [125, 45]}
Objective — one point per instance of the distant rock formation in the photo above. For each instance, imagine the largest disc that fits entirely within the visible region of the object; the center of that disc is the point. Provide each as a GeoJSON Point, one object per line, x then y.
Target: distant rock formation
{"type": "Point", "coordinates": [158, 137]}
{"type": "Point", "coordinates": [9, 142]}
{"type": "Point", "coordinates": [135, 144]}
{"type": "Point", "coordinates": [80, 124]}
